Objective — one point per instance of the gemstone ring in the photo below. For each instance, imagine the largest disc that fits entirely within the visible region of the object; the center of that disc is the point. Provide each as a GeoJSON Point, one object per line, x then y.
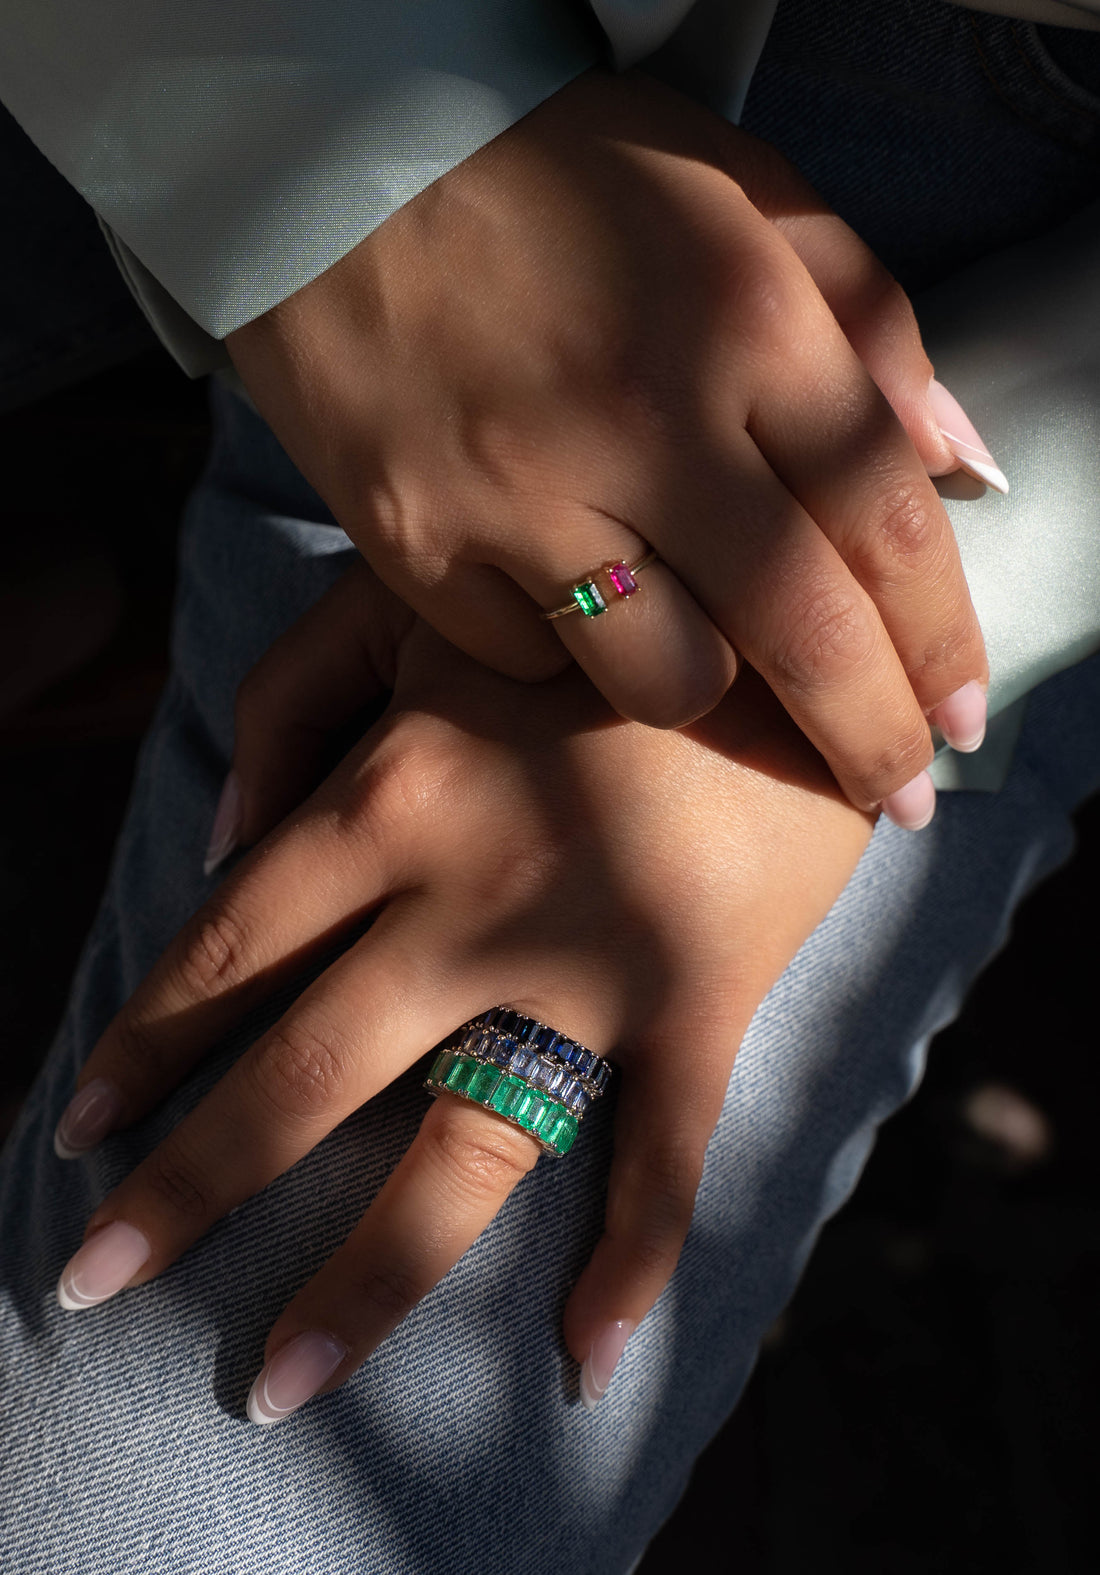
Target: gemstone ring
{"type": "Point", "coordinates": [519, 1068]}
{"type": "Point", "coordinates": [590, 600]}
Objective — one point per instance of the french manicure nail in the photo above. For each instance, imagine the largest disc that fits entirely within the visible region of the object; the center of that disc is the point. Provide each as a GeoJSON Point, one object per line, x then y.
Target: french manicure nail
{"type": "Point", "coordinates": [102, 1266]}
{"type": "Point", "coordinates": [603, 1358]}
{"type": "Point", "coordinates": [294, 1376]}
{"type": "Point", "coordinates": [87, 1118]}
{"type": "Point", "coordinates": [963, 439]}
{"type": "Point", "coordinates": [227, 825]}
{"type": "Point", "coordinates": [961, 717]}
{"type": "Point", "coordinates": [913, 805]}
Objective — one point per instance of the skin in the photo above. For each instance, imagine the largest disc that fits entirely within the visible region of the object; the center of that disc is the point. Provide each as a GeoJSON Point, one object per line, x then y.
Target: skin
{"type": "Point", "coordinates": [516, 844]}
{"type": "Point", "coordinates": [626, 324]}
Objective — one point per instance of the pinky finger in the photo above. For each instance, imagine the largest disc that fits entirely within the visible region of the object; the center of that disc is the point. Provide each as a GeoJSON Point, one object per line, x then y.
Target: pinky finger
{"type": "Point", "coordinates": [659, 1152]}
{"type": "Point", "coordinates": [460, 1168]}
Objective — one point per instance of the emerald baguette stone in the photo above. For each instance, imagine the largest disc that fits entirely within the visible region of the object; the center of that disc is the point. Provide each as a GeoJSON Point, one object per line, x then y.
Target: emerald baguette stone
{"type": "Point", "coordinates": [483, 1083]}
{"type": "Point", "coordinates": [559, 1129]}
{"type": "Point", "coordinates": [547, 1121]}
{"type": "Point", "coordinates": [588, 599]}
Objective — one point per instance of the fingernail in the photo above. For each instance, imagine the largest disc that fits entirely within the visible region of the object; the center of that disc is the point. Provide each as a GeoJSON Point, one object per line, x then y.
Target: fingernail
{"type": "Point", "coordinates": [961, 717]}
{"type": "Point", "coordinates": [87, 1118]}
{"type": "Point", "coordinates": [603, 1359]}
{"type": "Point", "coordinates": [227, 825]}
{"type": "Point", "coordinates": [103, 1266]}
{"type": "Point", "coordinates": [913, 805]}
{"type": "Point", "coordinates": [963, 439]}
{"type": "Point", "coordinates": [294, 1376]}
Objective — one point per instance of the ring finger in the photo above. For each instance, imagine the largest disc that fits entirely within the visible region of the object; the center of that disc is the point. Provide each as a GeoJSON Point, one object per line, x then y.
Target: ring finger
{"type": "Point", "coordinates": [626, 618]}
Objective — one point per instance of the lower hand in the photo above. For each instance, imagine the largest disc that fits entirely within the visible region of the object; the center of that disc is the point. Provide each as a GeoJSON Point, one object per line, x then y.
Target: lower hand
{"type": "Point", "coordinates": [640, 890]}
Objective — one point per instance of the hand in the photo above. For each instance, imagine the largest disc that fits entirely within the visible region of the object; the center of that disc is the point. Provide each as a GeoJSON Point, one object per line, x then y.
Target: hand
{"type": "Point", "coordinates": [517, 844]}
{"type": "Point", "coordinates": [588, 340]}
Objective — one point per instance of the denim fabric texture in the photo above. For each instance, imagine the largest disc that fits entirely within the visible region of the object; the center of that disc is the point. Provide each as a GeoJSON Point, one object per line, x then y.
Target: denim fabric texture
{"type": "Point", "coordinates": [939, 134]}
{"type": "Point", "coordinates": [461, 1446]}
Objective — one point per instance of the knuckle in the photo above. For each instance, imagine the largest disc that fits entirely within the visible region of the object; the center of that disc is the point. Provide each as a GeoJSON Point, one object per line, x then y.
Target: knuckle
{"type": "Point", "coordinates": [481, 1157]}
{"type": "Point", "coordinates": [213, 959]}
{"type": "Point", "coordinates": [907, 531]}
{"type": "Point", "coordinates": [761, 300]}
{"type": "Point", "coordinates": [667, 1177]}
{"type": "Point", "coordinates": [300, 1066]}
{"type": "Point", "coordinates": [395, 786]}
{"type": "Point", "coordinates": [828, 635]}
{"type": "Point", "coordinates": [137, 1048]}
{"type": "Point", "coordinates": [385, 1292]}
{"type": "Point", "coordinates": [896, 764]}
{"type": "Point", "coordinates": [958, 650]}
{"type": "Point", "coordinates": [177, 1184]}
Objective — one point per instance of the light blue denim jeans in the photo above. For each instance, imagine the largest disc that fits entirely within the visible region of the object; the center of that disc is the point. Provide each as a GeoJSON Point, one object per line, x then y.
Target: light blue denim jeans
{"type": "Point", "coordinates": [461, 1445]}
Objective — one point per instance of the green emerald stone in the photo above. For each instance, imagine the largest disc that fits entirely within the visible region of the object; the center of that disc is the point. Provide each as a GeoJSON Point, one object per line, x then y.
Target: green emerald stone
{"type": "Point", "coordinates": [441, 1066]}
{"type": "Point", "coordinates": [509, 1096]}
{"type": "Point", "coordinates": [459, 1076]}
{"type": "Point", "coordinates": [483, 1083]}
{"type": "Point", "coordinates": [559, 1129]}
{"type": "Point", "coordinates": [530, 1110]}
{"type": "Point", "coordinates": [588, 599]}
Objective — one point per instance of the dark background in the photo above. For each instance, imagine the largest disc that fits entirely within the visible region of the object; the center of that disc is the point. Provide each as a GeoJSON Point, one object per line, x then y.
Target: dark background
{"type": "Point", "coordinates": [928, 1402]}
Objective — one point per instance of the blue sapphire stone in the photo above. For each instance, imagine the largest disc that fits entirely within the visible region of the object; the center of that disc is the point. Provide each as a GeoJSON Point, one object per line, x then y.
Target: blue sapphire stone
{"type": "Point", "coordinates": [501, 1051]}
{"type": "Point", "coordinates": [557, 1078]}
{"type": "Point", "coordinates": [522, 1060]}
{"type": "Point", "coordinates": [579, 1101]}
{"type": "Point", "coordinates": [547, 1041]}
{"type": "Point", "coordinates": [507, 1023]}
{"type": "Point", "coordinates": [531, 1031]}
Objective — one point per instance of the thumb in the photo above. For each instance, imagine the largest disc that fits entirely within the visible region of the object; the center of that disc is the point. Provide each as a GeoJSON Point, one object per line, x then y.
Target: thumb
{"type": "Point", "coordinates": [321, 674]}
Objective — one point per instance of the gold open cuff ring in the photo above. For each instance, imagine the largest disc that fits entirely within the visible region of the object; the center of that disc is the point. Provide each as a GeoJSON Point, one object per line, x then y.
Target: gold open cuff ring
{"type": "Point", "coordinates": [590, 600]}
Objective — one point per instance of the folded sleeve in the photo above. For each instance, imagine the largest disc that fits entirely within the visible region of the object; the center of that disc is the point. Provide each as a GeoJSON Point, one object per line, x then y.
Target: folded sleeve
{"type": "Point", "coordinates": [235, 149]}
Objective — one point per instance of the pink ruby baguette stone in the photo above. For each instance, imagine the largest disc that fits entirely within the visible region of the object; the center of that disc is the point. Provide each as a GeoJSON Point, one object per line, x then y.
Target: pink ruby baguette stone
{"type": "Point", "coordinates": [622, 579]}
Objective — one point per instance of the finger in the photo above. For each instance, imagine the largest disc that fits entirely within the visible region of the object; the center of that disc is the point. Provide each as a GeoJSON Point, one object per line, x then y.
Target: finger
{"type": "Point", "coordinates": [339, 862]}
{"type": "Point", "coordinates": [336, 659]}
{"type": "Point", "coordinates": [643, 639]}
{"type": "Point", "coordinates": [871, 308]}
{"type": "Point", "coordinates": [663, 1123]}
{"type": "Point", "coordinates": [772, 581]}
{"type": "Point", "coordinates": [854, 471]}
{"type": "Point", "coordinates": [348, 1036]}
{"type": "Point", "coordinates": [453, 1180]}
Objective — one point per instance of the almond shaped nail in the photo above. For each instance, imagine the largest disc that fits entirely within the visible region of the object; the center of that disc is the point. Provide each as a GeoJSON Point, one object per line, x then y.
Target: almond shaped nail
{"type": "Point", "coordinates": [106, 1262]}
{"type": "Point", "coordinates": [963, 438]}
{"type": "Point", "coordinates": [961, 718]}
{"type": "Point", "coordinates": [87, 1119]}
{"type": "Point", "coordinates": [294, 1375]}
{"type": "Point", "coordinates": [913, 805]}
{"type": "Point", "coordinates": [227, 824]}
{"type": "Point", "coordinates": [602, 1360]}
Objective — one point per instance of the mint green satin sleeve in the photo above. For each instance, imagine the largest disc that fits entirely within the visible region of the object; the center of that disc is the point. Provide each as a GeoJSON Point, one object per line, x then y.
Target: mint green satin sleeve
{"type": "Point", "coordinates": [1016, 338]}
{"type": "Point", "coordinates": [235, 149]}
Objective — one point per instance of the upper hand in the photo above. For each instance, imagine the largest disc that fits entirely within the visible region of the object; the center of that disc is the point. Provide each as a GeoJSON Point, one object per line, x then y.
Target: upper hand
{"type": "Point", "coordinates": [625, 324]}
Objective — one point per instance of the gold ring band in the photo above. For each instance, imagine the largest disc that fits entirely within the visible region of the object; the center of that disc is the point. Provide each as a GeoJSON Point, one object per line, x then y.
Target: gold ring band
{"type": "Point", "coordinates": [587, 597]}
